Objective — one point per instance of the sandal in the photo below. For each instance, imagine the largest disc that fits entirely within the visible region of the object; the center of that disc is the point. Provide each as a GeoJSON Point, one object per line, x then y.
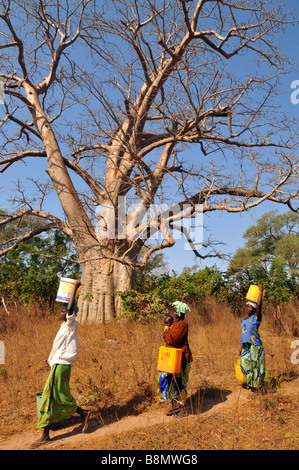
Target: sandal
{"type": "Point", "coordinates": [40, 442]}
{"type": "Point", "coordinates": [174, 409]}
{"type": "Point", "coordinates": [183, 413]}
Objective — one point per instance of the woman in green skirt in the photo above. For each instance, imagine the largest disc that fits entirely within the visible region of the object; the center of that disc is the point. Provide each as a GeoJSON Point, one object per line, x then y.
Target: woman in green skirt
{"type": "Point", "coordinates": [57, 403]}
{"type": "Point", "coordinates": [252, 350]}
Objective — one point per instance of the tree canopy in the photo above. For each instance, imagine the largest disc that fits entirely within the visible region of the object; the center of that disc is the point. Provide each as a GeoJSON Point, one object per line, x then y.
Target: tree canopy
{"type": "Point", "coordinates": [137, 108]}
{"type": "Point", "coordinates": [273, 238]}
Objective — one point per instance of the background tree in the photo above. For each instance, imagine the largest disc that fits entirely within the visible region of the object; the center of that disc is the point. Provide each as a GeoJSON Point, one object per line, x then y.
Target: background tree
{"type": "Point", "coordinates": [271, 255]}
{"type": "Point", "coordinates": [111, 96]}
{"type": "Point", "coordinates": [275, 236]}
{"type": "Point", "coordinates": [30, 273]}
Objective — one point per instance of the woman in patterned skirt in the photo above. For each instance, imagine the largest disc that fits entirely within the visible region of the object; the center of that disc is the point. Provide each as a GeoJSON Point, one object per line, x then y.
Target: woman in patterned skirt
{"type": "Point", "coordinates": [174, 387]}
{"type": "Point", "coordinates": [252, 350]}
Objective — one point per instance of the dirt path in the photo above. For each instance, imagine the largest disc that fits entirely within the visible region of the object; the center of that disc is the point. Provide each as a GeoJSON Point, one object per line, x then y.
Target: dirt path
{"type": "Point", "coordinates": [147, 419]}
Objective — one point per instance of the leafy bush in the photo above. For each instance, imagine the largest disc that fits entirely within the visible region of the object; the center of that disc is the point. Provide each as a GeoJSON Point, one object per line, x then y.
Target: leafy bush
{"type": "Point", "coordinates": [153, 299]}
{"type": "Point", "coordinates": [142, 306]}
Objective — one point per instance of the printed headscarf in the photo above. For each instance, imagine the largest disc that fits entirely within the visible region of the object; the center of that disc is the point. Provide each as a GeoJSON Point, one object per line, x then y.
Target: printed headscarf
{"type": "Point", "coordinates": [181, 307]}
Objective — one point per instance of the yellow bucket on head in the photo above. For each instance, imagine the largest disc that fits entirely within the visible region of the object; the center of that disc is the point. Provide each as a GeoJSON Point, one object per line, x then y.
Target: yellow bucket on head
{"type": "Point", "coordinates": [169, 360]}
{"type": "Point", "coordinates": [238, 372]}
{"type": "Point", "coordinates": [65, 290]}
{"type": "Point", "coordinates": [253, 293]}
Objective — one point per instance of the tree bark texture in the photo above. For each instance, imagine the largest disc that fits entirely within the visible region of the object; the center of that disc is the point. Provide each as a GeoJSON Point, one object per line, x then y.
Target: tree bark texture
{"type": "Point", "coordinates": [101, 279]}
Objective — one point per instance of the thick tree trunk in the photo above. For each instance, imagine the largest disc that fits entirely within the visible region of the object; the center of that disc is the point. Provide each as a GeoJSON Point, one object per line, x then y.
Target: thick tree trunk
{"type": "Point", "coordinates": [100, 280]}
{"type": "Point", "coordinates": [101, 276]}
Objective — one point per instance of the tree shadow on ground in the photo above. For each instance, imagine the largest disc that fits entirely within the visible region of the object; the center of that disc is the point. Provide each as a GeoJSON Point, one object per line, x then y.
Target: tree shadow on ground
{"type": "Point", "coordinates": [204, 399]}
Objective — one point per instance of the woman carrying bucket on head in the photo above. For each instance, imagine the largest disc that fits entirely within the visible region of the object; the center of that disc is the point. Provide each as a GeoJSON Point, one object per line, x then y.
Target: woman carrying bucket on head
{"type": "Point", "coordinates": [252, 351]}
{"type": "Point", "coordinates": [57, 403]}
{"type": "Point", "coordinates": [174, 386]}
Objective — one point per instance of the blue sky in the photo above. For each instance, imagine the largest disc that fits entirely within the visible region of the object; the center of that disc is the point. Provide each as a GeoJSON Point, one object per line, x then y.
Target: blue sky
{"type": "Point", "coordinates": [226, 228]}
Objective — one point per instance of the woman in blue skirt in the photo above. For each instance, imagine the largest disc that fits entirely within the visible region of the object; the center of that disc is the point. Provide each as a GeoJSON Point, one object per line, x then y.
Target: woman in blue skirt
{"type": "Point", "coordinates": [174, 387]}
{"type": "Point", "coordinates": [252, 350]}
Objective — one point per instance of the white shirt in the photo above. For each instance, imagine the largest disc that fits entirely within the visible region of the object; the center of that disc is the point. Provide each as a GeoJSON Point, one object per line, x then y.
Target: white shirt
{"type": "Point", "coordinates": [66, 343]}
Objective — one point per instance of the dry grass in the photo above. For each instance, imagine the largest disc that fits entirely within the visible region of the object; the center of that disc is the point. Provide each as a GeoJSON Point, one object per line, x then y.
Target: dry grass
{"type": "Point", "coordinates": [115, 375]}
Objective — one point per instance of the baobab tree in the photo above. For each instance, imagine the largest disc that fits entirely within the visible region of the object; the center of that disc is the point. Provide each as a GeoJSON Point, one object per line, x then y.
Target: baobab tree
{"type": "Point", "coordinates": [141, 107]}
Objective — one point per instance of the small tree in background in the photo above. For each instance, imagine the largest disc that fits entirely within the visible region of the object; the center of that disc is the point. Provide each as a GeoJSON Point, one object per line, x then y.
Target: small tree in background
{"type": "Point", "coordinates": [271, 255]}
{"type": "Point", "coordinates": [30, 273]}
